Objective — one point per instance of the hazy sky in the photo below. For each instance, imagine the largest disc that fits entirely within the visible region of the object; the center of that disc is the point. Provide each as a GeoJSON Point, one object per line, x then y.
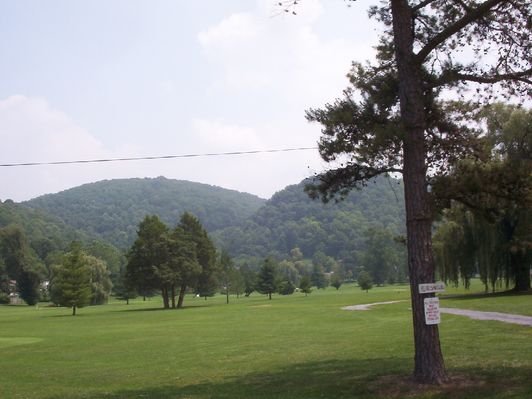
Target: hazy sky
{"type": "Point", "coordinates": [124, 78]}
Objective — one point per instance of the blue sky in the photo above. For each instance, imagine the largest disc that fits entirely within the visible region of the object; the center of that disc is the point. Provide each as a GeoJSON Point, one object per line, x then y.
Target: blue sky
{"type": "Point", "coordinates": [125, 78]}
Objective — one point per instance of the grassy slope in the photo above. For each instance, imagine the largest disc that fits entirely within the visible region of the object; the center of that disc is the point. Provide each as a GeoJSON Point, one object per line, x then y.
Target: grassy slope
{"type": "Point", "coordinates": [290, 347]}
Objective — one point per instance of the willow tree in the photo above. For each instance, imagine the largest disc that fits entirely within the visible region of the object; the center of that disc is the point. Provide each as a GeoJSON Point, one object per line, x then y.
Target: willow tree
{"type": "Point", "coordinates": [492, 234]}
{"type": "Point", "coordinates": [393, 119]}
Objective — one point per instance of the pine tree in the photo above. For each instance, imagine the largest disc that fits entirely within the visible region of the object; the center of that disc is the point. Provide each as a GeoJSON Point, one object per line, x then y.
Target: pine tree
{"type": "Point", "coordinates": [394, 120]}
{"type": "Point", "coordinates": [205, 266]}
{"type": "Point", "coordinates": [267, 278]}
{"type": "Point", "coordinates": [72, 280]}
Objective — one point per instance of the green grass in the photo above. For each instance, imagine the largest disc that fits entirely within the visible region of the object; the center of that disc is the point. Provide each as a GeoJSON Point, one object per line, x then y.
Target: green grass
{"type": "Point", "coordinates": [289, 347]}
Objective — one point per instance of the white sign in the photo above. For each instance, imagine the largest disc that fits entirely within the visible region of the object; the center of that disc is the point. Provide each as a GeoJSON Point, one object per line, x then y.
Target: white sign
{"type": "Point", "coordinates": [432, 311]}
{"type": "Point", "coordinates": [431, 287]}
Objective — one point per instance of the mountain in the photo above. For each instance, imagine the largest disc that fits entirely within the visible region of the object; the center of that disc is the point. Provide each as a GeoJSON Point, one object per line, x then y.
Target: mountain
{"type": "Point", "coordinates": [112, 209]}
{"type": "Point", "coordinates": [291, 219]}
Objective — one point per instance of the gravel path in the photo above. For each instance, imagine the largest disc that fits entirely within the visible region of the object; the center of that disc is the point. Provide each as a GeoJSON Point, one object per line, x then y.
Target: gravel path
{"type": "Point", "coordinates": [368, 305]}
{"type": "Point", "coordinates": [473, 314]}
{"type": "Point", "coordinates": [477, 315]}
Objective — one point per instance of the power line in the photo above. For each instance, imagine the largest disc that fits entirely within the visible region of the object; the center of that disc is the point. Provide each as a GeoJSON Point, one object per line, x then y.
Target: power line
{"type": "Point", "coordinates": [214, 154]}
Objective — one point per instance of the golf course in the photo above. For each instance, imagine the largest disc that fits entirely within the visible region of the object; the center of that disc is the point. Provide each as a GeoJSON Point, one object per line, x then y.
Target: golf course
{"type": "Point", "coordinates": [293, 346]}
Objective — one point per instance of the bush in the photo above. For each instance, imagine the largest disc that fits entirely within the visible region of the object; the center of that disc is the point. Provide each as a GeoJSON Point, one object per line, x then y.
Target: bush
{"type": "Point", "coordinates": [286, 288]}
{"type": "Point", "coordinates": [4, 298]}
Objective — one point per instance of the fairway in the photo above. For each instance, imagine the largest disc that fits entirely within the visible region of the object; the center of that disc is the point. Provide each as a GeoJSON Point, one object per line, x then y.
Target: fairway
{"type": "Point", "coordinates": [289, 347]}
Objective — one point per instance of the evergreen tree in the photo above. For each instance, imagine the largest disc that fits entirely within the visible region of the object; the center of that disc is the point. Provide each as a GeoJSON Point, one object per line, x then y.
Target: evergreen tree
{"type": "Point", "coordinates": [72, 282]}
{"type": "Point", "coordinates": [180, 267]}
{"type": "Point", "coordinates": [28, 285]}
{"type": "Point", "coordinates": [267, 277]}
{"type": "Point", "coordinates": [145, 256]}
{"type": "Point", "coordinates": [394, 119]}
{"type": "Point", "coordinates": [123, 290]}
{"type": "Point", "coordinates": [205, 255]}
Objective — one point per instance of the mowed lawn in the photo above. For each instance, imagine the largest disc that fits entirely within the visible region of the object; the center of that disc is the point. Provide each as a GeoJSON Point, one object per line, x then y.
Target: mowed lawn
{"type": "Point", "coordinates": [289, 347]}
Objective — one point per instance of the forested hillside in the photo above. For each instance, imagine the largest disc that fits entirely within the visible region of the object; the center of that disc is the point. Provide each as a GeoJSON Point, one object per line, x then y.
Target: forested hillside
{"type": "Point", "coordinates": [45, 233]}
{"type": "Point", "coordinates": [339, 229]}
{"type": "Point", "coordinates": [112, 209]}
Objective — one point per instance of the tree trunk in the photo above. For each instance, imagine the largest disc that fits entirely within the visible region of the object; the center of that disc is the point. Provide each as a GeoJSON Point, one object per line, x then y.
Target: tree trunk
{"type": "Point", "coordinates": [173, 296]}
{"type": "Point", "coordinates": [429, 366]}
{"type": "Point", "coordinates": [74, 310]}
{"type": "Point", "coordinates": [181, 298]}
{"type": "Point", "coordinates": [270, 295]}
{"type": "Point", "coordinates": [164, 293]}
{"type": "Point", "coordinates": [227, 295]}
{"type": "Point", "coordinates": [127, 301]}
{"type": "Point", "coordinates": [521, 268]}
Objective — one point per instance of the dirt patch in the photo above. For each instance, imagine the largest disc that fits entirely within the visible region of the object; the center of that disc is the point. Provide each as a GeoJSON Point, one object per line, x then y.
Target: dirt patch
{"type": "Point", "coordinates": [405, 387]}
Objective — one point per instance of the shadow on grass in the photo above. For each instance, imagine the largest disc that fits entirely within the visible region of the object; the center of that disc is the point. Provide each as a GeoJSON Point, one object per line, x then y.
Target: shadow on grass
{"type": "Point", "coordinates": [163, 309]}
{"type": "Point", "coordinates": [361, 379]}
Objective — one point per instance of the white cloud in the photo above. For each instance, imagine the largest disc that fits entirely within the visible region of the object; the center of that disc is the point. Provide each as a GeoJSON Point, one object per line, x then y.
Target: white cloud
{"type": "Point", "coordinates": [33, 131]}
{"type": "Point", "coordinates": [218, 136]}
{"type": "Point", "coordinates": [281, 54]}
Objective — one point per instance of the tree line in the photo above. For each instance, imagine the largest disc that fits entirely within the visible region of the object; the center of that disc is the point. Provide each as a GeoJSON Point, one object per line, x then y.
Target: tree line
{"type": "Point", "coordinates": [73, 278]}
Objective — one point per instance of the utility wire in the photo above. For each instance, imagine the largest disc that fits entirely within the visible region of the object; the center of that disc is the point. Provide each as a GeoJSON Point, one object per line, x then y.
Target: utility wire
{"type": "Point", "coordinates": [215, 154]}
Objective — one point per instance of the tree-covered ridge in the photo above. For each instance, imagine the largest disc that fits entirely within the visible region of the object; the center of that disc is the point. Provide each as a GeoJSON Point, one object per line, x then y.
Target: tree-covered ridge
{"type": "Point", "coordinates": [45, 232]}
{"type": "Point", "coordinates": [291, 219]}
{"type": "Point", "coordinates": [112, 209]}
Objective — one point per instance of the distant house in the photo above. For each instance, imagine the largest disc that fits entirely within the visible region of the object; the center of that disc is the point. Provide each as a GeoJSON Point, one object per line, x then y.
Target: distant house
{"type": "Point", "coordinates": [14, 298]}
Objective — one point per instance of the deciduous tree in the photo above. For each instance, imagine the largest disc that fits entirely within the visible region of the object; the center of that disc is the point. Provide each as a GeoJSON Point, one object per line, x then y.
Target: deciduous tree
{"type": "Point", "coordinates": [365, 282]}
{"type": "Point", "coordinates": [305, 286]}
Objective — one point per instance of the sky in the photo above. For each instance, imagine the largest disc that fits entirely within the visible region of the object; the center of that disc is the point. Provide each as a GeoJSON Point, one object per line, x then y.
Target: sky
{"type": "Point", "coordinates": [91, 79]}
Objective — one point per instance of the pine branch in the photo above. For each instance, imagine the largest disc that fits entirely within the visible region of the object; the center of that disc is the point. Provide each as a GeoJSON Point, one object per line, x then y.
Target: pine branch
{"type": "Point", "coordinates": [419, 6]}
{"type": "Point", "coordinates": [468, 18]}
{"type": "Point", "coordinates": [451, 76]}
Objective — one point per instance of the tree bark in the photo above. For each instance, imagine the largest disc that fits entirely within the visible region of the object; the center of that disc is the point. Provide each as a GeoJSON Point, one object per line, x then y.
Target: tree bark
{"type": "Point", "coordinates": [520, 265]}
{"type": "Point", "coordinates": [173, 296]}
{"type": "Point", "coordinates": [74, 310]}
{"type": "Point", "coordinates": [429, 366]}
{"type": "Point", "coordinates": [164, 293]}
{"type": "Point", "coordinates": [181, 298]}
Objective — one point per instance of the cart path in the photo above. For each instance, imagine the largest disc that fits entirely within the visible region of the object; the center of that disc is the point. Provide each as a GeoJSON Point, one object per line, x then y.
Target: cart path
{"type": "Point", "coordinates": [473, 314]}
{"type": "Point", "coordinates": [369, 305]}
{"type": "Point", "coordinates": [478, 315]}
